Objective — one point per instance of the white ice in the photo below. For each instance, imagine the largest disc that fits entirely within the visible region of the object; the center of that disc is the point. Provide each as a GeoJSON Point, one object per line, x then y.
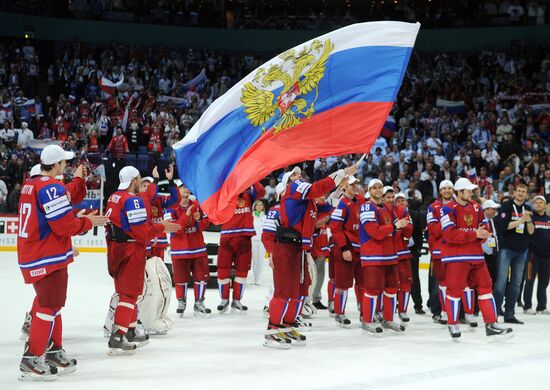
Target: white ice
{"type": "Point", "coordinates": [226, 352]}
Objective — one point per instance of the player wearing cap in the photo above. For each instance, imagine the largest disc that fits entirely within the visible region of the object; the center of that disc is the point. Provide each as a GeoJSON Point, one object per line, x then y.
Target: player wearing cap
{"type": "Point", "coordinates": [188, 252]}
{"type": "Point", "coordinates": [236, 249]}
{"type": "Point", "coordinates": [128, 233]}
{"type": "Point", "coordinates": [298, 215]}
{"type": "Point", "coordinates": [539, 259]}
{"type": "Point", "coordinates": [402, 240]}
{"type": "Point", "coordinates": [463, 228]}
{"type": "Point", "coordinates": [438, 289]}
{"type": "Point", "coordinates": [379, 259]}
{"type": "Point", "coordinates": [44, 248]}
{"type": "Point", "coordinates": [344, 227]}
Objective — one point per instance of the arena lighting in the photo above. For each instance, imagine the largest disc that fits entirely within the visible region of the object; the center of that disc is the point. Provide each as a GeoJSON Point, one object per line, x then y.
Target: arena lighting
{"type": "Point", "coordinates": [28, 32]}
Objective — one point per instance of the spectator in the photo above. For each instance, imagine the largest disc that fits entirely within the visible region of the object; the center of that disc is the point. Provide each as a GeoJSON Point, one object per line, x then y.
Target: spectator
{"type": "Point", "coordinates": [491, 245]}
{"type": "Point", "coordinates": [13, 198]}
{"type": "Point", "coordinates": [118, 145]}
{"type": "Point", "coordinates": [3, 196]}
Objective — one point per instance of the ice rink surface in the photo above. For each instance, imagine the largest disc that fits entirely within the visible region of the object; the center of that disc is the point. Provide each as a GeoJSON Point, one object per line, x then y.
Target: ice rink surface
{"type": "Point", "coordinates": [225, 352]}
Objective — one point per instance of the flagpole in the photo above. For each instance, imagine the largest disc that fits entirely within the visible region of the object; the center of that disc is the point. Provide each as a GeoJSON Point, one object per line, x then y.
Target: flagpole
{"type": "Point", "coordinates": [361, 159]}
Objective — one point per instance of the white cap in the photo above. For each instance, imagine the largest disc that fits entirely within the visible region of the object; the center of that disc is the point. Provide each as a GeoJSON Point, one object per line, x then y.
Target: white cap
{"type": "Point", "coordinates": [287, 175]}
{"type": "Point", "coordinates": [352, 180]}
{"type": "Point", "coordinates": [279, 189]}
{"type": "Point", "coordinates": [148, 178]}
{"type": "Point", "coordinates": [372, 182]}
{"type": "Point", "coordinates": [52, 154]}
{"type": "Point", "coordinates": [446, 184]}
{"type": "Point", "coordinates": [126, 175]}
{"type": "Point", "coordinates": [464, 184]}
{"type": "Point", "coordinates": [387, 189]}
{"type": "Point", "coordinates": [539, 197]}
{"type": "Point", "coordinates": [35, 171]}
{"type": "Point", "coordinates": [177, 182]}
{"type": "Point", "coordinates": [400, 195]}
{"type": "Point", "coordinates": [490, 204]}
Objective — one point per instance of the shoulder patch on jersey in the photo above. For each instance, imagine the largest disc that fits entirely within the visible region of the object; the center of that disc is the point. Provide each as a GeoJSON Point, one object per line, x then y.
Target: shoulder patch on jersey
{"type": "Point", "coordinates": [56, 204]}
{"type": "Point", "coordinates": [138, 215]}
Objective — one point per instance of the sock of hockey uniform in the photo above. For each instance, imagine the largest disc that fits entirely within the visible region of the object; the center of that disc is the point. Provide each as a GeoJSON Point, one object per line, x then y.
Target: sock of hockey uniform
{"type": "Point", "coordinates": [200, 289]}
{"type": "Point", "coordinates": [301, 305]}
{"type": "Point", "coordinates": [358, 292]}
{"type": "Point", "coordinates": [238, 288]}
{"type": "Point", "coordinates": [468, 300]}
{"type": "Point", "coordinates": [380, 303]}
{"type": "Point", "coordinates": [294, 308]}
{"type": "Point", "coordinates": [41, 330]}
{"type": "Point", "coordinates": [223, 286]}
{"type": "Point", "coordinates": [390, 303]}
{"type": "Point", "coordinates": [124, 314]}
{"type": "Point", "coordinates": [34, 307]}
{"type": "Point", "coordinates": [369, 306]}
{"type": "Point", "coordinates": [135, 314]}
{"type": "Point", "coordinates": [442, 296]}
{"type": "Point", "coordinates": [403, 301]}
{"type": "Point", "coordinates": [278, 307]}
{"type": "Point", "coordinates": [181, 291]}
{"type": "Point", "coordinates": [340, 300]}
{"type": "Point", "coordinates": [57, 333]}
{"type": "Point", "coordinates": [453, 309]}
{"type": "Point", "coordinates": [488, 308]}
{"type": "Point", "coordinates": [330, 290]}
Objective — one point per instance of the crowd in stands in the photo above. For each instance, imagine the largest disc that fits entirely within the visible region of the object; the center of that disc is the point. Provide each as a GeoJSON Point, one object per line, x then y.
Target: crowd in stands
{"type": "Point", "coordinates": [297, 14]}
{"type": "Point", "coordinates": [497, 130]}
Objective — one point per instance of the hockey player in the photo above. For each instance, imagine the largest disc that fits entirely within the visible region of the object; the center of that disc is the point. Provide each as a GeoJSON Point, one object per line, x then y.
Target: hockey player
{"type": "Point", "coordinates": [344, 227]}
{"type": "Point", "coordinates": [128, 233]}
{"type": "Point", "coordinates": [435, 237]}
{"type": "Point", "coordinates": [401, 241]}
{"type": "Point", "coordinates": [379, 259]}
{"type": "Point", "coordinates": [46, 224]}
{"type": "Point", "coordinates": [236, 250]}
{"type": "Point", "coordinates": [298, 213]}
{"type": "Point", "coordinates": [463, 231]}
{"type": "Point", "coordinates": [188, 252]}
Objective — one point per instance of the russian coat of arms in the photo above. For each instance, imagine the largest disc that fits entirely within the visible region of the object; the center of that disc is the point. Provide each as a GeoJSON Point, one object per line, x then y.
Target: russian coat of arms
{"type": "Point", "coordinates": [284, 94]}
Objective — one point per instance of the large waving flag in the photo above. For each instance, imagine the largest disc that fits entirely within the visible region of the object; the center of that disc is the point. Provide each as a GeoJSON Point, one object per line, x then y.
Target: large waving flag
{"type": "Point", "coordinates": [326, 97]}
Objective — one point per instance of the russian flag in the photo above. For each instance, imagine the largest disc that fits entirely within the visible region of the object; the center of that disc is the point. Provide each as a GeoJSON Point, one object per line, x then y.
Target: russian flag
{"type": "Point", "coordinates": [29, 106]}
{"type": "Point", "coordinates": [388, 130]}
{"type": "Point", "coordinates": [6, 107]}
{"type": "Point", "coordinates": [108, 86]}
{"type": "Point", "coordinates": [197, 81]}
{"type": "Point", "coordinates": [329, 96]}
{"type": "Point", "coordinates": [451, 106]}
{"type": "Point", "coordinates": [472, 175]}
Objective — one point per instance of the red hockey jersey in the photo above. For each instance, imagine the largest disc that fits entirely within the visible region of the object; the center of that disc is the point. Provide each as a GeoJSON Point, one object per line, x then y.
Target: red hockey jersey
{"type": "Point", "coordinates": [242, 222]}
{"type": "Point", "coordinates": [156, 205]}
{"type": "Point", "coordinates": [299, 209]}
{"type": "Point", "coordinates": [376, 233]}
{"type": "Point", "coordinates": [435, 234]}
{"type": "Point", "coordinates": [127, 212]}
{"type": "Point", "coordinates": [46, 224]}
{"type": "Point", "coordinates": [344, 223]}
{"type": "Point", "coordinates": [459, 224]}
{"type": "Point", "coordinates": [269, 231]}
{"type": "Point", "coordinates": [320, 243]}
{"type": "Point", "coordinates": [188, 243]}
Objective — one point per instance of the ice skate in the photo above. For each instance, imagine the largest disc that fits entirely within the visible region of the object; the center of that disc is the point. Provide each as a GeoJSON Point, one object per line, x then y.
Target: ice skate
{"type": "Point", "coordinates": [266, 311]}
{"type": "Point", "coordinates": [276, 338]}
{"type": "Point", "coordinates": [296, 338]}
{"type": "Point", "coordinates": [200, 309]}
{"type": "Point", "coordinates": [138, 338]}
{"type": "Point", "coordinates": [303, 325]}
{"type": "Point", "coordinates": [494, 331]}
{"type": "Point", "coordinates": [470, 320]}
{"type": "Point", "coordinates": [238, 308]}
{"type": "Point", "coordinates": [119, 345]}
{"type": "Point", "coordinates": [25, 328]}
{"type": "Point", "coordinates": [371, 327]}
{"type": "Point", "coordinates": [106, 332]}
{"type": "Point", "coordinates": [223, 306]}
{"type": "Point", "coordinates": [35, 368]}
{"type": "Point", "coordinates": [545, 311]}
{"type": "Point", "coordinates": [378, 317]}
{"type": "Point", "coordinates": [404, 317]}
{"type": "Point", "coordinates": [530, 312]}
{"type": "Point", "coordinates": [342, 321]}
{"type": "Point", "coordinates": [392, 325]}
{"type": "Point", "coordinates": [439, 319]}
{"type": "Point", "coordinates": [319, 306]}
{"type": "Point", "coordinates": [182, 304]}
{"type": "Point", "coordinates": [309, 310]}
{"type": "Point", "coordinates": [59, 359]}
{"type": "Point", "coordinates": [454, 330]}
{"type": "Point", "coordinates": [331, 309]}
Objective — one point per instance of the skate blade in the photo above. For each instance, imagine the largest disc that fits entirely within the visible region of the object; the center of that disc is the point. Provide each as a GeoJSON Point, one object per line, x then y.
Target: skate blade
{"type": "Point", "coordinates": [31, 377]}
{"type": "Point", "coordinates": [500, 338]}
{"type": "Point", "coordinates": [295, 343]}
{"type": "Point", "coordinates": [275, 345]}
{"type": "Point", "coordinates": [237, 311]}
{"type": "Point", "coordinates": [25, 336]}
{"type": "Point", "coordinates": [456, 339]}
{"type": "Point", "coordinates": [155, 333]}
{"type": "Point", "coordinates": [180, 315]}
{"type": "Point", "coordinates": [120, 352]}
{"type": "Point", "coordinates": [303, 329]}
{"type": "Point", "coordinates": [203, 315]}
{"type": "Point", "coordinates": [65, 371]}
{"type": "Point", "coordinates": [343, 326]}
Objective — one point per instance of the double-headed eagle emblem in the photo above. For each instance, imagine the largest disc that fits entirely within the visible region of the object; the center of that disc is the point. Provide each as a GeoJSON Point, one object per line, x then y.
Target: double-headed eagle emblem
{"type": "Point", "coordinates": [299, 74]}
